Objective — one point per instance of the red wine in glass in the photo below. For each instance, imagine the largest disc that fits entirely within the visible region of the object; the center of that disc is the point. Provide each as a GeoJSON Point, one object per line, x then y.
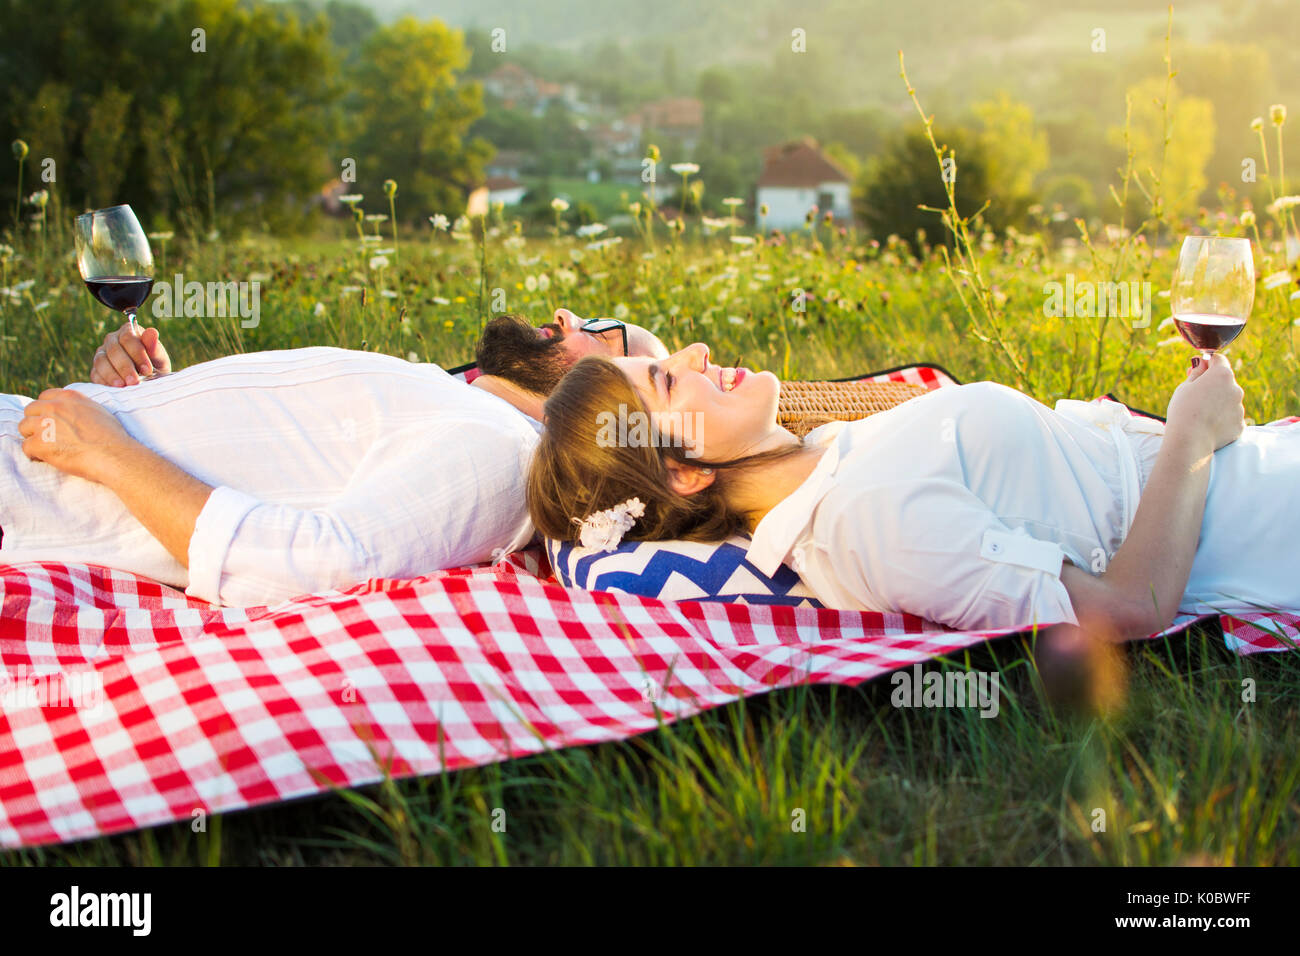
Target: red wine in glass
{"type": "Point", "coordinates": [115, 260]}
{"type": "Point", "coordinates": [1209, 333]}
{"type": "Point", "coordinates": [121, 293]}
{"type": "Point", "coordinates": [1213, 290]}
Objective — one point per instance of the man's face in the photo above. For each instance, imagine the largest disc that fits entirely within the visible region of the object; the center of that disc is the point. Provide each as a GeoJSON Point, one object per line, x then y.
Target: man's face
{"type": "Point", "coordinates": [578, 344]}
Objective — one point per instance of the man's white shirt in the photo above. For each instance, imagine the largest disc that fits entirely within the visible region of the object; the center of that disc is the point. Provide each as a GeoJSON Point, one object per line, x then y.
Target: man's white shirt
{"type": "Point", "coordinates": [329, 467]}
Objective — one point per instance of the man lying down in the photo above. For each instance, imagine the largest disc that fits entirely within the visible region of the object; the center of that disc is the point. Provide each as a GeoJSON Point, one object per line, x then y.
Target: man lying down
{"type": "Point", "coordinates": [255, 478]}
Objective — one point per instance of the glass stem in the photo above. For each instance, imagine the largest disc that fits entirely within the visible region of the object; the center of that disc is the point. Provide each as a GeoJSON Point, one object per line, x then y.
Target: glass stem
{"type": "Point", "coordinates": [135, 329]}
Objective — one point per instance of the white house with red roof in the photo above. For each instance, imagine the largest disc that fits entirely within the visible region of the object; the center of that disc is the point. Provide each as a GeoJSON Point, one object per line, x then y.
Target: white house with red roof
{"type": "Point", "coordinates": [797, 176]}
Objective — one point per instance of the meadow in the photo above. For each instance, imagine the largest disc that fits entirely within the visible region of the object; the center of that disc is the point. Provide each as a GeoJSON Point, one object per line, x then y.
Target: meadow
{"type": "Point", "coordinates": [1159, 739]}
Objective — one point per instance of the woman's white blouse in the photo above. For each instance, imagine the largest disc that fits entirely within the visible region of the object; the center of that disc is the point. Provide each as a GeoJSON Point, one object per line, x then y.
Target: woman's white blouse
{"type": "Point", "coordinates": [961, 504]}
{"type": "Point", "coordinates": [329, 466]}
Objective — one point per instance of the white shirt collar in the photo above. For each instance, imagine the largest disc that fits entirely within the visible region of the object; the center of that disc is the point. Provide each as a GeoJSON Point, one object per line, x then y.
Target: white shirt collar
{"type": "Point", "coordinates": [781, 527]}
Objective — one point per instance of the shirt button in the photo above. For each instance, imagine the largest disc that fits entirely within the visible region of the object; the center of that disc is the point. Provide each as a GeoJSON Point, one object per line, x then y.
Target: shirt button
{"type": "Point", "coordinates": [995, 548]}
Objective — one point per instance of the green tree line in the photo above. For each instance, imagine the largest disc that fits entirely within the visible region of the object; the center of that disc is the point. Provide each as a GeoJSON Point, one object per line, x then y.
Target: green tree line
{"type": "Point", "coordinates": [192, 110]}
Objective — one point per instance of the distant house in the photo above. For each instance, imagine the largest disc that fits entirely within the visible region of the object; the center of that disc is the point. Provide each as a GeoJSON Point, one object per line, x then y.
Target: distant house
{"type": "Point", "coordinates": [519, 89]}
{"type": "Point", "coordinates": [797, 176]}
{"type": "Point", "coordinates": [508, 162]}
{"type": "Point", "coordinates": [680, 118]}
{"type": "Point", "coordinates": [505, 190]}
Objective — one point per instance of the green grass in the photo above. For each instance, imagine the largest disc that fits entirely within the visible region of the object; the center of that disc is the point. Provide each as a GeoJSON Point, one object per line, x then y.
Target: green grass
{"type": "Point", "coordinates": [1182, 768]}
{"type": "Point", "coordinates": [1185, 773]}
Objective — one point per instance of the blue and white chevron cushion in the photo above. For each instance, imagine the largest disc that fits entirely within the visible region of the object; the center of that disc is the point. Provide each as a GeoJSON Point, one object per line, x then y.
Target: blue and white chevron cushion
{"type": "Point", "coordinates": [677, 571]}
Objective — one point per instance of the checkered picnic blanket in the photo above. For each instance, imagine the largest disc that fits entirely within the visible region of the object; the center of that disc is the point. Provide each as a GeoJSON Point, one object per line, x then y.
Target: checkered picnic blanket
{"type": "Point", "coordinates": [126, 704]}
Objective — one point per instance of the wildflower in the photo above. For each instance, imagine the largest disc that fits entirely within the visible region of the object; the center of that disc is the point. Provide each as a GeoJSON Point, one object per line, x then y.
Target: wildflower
{"type": "Point", "coordinates": [1277, 279]}
{"type": "Point", "coordinates": [530, 283]}
{"type": "Point", "coordinates": [684, 169]}
{"type": "Point", "coordinates": [743, 240]}
{"type": "Point", "coordinates": [377, 217]}
{"type": "Point", "coordinates": [259, 277]}
{"type": "Point", "coordinates": [621, 311]}
{"type": "Point", "coordinates": [543, 282]}
{"type": "Point", "coordinates": [634, 208]}
{"type": "Point", "coordinates": [24, 285]}
{"type": "Point", "coordinates": [733, 202]}
{"type": "Point", "coordinates": [828, 217]}
{"type": "Point", "coordinates": [20, 150]}
{"type": "Point", "coordinates": [1277, 113]}
{"type": "Point", "coordinates": [411, 356]}
{"type": "Point", "coordinates": [379, 262]}
{"type": "Point", "coordinates": [1248, 218]}
{"type": "Point", "coordinates": [6, 251]}
{"type": "Point", "coordinates": [1257, 124]}
{"type": "Point", "coordinates": [162, 236]}
{"type": "Point", "coordinates": [318, 309]}
{"type": "Point", "coordinates": [351, 199]}
{"type": "Point", "coordinates": [575, 255]}
{"type": "Point", "coordinates": [763, 210]}
{"type": "Point", "coordinates": [384, 252]}
{"type": "Point", "coordinates": [559, 205]}
{"type": "Point", "coordinates": [39, 198]}
{"type": "Point", "coordinates": [351, 288]}
{"type": "Point", "coordinates": [566, 277]}
{"type": "Point", "coordinates": [652, 153]}
{"type": "Point", "coordinates": [1282, 203]}
{"type": "Point", "coordinates": [594, 229]}
{"type": "Point", "coordinates": [439, 300]}
{"type": "Point", "coordinates": [43, 304]}
{"type": "Point", "coordinates": [440, 222]}
{"type": "Point", "coordinates": [390, 188]}
{"type": "Point", "coordinates": [389, 294]}
{"type": "Point", "coordinates": [366, 239]}
{"type": "Point", "coordinates": [513, 243]}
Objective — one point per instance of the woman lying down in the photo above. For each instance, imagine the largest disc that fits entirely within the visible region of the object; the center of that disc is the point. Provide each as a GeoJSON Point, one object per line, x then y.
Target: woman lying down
{"type": "Point", "coordinates": [973, 505]}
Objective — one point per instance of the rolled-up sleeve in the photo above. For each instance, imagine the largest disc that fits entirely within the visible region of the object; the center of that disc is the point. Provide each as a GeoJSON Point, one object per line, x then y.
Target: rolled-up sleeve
{"type": "Point", "coordinates": [425, 499]}
{"type": "Point", "coordinates": [934, 549]}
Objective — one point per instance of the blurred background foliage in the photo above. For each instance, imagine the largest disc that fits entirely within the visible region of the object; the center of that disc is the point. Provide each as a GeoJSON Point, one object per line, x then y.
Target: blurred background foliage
{"type": "Point", "coordinates": [245, 134]}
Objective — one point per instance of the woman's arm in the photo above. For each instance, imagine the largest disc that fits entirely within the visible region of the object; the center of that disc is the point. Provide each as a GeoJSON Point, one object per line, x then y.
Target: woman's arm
{"type": "Point", "coordinates": [1139, 593]}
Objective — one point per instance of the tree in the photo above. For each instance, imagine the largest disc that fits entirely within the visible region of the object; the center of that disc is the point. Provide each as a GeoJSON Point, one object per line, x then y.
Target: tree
{"type": "Point", "coordinates": [414, 118]}
{"type": "Point", "coordinates": [1016, 150]}
{"type": "Point", "coordinates": [906, 175]}
{"type": "Point", "coordinates": [243, 110]}
{"type": "Point", "coordinates": [1179, 165]}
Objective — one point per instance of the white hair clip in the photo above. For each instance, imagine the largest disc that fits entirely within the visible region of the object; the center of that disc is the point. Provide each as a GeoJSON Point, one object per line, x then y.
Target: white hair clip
{"type": "Point", "coordinates": [605, 529]}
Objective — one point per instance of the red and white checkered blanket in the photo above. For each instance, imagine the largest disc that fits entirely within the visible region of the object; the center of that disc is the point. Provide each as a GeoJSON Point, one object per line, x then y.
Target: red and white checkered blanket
{"type": "Point", "coordinates": [125, 704]}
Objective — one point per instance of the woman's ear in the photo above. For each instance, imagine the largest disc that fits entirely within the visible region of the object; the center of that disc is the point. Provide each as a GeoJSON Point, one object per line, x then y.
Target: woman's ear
{"type": "Point", "coordinates": [688, 479]}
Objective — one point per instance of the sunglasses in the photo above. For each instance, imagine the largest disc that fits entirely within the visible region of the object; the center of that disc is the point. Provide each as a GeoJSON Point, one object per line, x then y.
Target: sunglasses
{"type": "Point", "coordinates": [601, 326]}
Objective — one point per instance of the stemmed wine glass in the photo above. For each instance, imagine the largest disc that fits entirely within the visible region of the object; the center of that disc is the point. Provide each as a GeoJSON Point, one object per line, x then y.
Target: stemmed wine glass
{"type": "Point", "coordinates": [115, 260]}
{"type": "Point", "coordinates": [1213, 291]}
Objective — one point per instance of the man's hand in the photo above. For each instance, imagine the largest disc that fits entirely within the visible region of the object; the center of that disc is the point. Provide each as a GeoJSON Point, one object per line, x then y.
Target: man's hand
{"type": "Point", "coordinates": [76, 435]}
{"type": "Point", "coordinates": [126, 358]}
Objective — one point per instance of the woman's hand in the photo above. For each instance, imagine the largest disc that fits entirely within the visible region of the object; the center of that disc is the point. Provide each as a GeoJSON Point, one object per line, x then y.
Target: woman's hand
{"type": "Point", "coordinates": [1207, 406]}
{"type": "Point", "coordinates": [76, 435]}
{"type": "Point", "coordinates": [126, 358]}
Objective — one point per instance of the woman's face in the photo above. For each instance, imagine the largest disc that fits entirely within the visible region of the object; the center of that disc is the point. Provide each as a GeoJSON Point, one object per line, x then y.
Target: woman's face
{"type": "Point", "coordinates": [719, 414]}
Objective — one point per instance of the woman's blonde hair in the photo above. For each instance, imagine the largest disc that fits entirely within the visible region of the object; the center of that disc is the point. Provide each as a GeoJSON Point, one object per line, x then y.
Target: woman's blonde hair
{"type": "Point", "coordinates": [576, 470]}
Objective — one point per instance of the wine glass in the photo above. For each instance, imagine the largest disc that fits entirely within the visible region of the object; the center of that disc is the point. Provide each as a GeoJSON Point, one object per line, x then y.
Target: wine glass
{"type": "Point", "coordinates": [1213, 291]}
{"type": "Point", "coordinates": [115, 260]}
